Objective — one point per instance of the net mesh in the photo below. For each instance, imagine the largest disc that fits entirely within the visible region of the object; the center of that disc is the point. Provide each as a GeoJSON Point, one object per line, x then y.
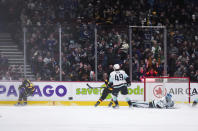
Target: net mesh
{"type": "Point", "coordinates": [156, 88]}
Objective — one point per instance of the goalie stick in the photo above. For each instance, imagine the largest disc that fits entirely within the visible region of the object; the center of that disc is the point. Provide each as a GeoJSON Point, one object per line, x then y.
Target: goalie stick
{"type": "Point", "coordinates": [139, 104]}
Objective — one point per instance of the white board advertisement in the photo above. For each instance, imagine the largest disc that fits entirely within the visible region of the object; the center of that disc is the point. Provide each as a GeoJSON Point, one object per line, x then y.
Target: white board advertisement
{"type": "Point", "coordinates": [64, 91]}
{"type": "Point", "coordinates": [78, 91]}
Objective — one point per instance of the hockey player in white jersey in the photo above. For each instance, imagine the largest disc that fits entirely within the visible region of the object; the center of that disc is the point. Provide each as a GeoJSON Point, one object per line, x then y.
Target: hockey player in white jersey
{"type": "Point", "coordinates": [163, 103]}
{"type": "Point", "coordinates": [119, 80]}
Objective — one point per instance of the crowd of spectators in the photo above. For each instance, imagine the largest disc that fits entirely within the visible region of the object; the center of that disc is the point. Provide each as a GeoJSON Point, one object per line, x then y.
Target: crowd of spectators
{"type": "Point", "coordinates": [3, 65]}
{"type": "Point", "coordinates": [78, 18]}
{"type": "Point", "coordinates": [9, 72]}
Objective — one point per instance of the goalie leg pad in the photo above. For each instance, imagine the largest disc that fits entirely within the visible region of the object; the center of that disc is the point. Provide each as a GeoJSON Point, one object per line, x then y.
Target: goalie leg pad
{"type": "Point", "coordinates": [151, 105]}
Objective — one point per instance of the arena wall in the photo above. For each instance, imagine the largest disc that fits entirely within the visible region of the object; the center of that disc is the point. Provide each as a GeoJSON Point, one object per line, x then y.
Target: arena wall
{"type": "Point", "coordinates": [77, 93]}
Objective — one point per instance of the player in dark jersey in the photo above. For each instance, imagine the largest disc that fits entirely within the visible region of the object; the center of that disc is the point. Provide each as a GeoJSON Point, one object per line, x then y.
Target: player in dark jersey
{"type": "Point", "coordinates": [25, 90]}
{"type": "Point", "coordinates": [105, 92]}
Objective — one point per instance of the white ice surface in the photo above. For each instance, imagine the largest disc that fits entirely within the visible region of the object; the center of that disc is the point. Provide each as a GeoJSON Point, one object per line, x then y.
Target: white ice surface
{"type": "Point", "coordinates": [63, 118]}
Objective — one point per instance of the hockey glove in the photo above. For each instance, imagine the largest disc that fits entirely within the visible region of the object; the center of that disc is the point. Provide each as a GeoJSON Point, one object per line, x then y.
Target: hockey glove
{"type": "Point", "coordinates": [128, 84]}
{"type": "Point", "coordinates": [110, 88]}
{"type": "Point", "coordinates": [106, 82]}
{"type": "Point", "coordinates": [128, 81]}
{"type": "Point", "coordinates": [194, 103]}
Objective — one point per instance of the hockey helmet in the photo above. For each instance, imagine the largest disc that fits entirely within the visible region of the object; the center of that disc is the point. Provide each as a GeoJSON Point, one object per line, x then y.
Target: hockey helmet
{"type": "Point", "coordinates": [168, 97]}
{"type": "Point", "coordinates": [25, 80]}
{"type": "Point", "coordinates": [116, 67]}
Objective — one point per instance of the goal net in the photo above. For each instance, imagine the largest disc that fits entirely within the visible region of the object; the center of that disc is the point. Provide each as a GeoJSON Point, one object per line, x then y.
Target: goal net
{"type": "Point", "coordinates": [158, 87]}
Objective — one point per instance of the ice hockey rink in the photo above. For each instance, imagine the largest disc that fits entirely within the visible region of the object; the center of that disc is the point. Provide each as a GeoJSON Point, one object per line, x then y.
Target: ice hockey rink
{"type": "Point", "coordinates": [87, 118]}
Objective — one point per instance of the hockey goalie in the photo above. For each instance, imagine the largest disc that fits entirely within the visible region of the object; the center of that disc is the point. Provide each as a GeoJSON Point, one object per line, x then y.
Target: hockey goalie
{"type": "Point", "coordinates": [165, 102]}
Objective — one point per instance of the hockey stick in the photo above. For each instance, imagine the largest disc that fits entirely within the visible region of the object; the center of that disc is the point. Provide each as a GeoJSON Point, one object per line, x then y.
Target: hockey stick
{"type": "Point", "coordinates": [104, 87]}
{"type": "Point", "coordinates": [93, 87]}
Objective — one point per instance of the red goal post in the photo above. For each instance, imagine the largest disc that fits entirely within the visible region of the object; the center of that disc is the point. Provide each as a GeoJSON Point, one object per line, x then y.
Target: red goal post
{"type": "Point", "coordinates": [157, 87]}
